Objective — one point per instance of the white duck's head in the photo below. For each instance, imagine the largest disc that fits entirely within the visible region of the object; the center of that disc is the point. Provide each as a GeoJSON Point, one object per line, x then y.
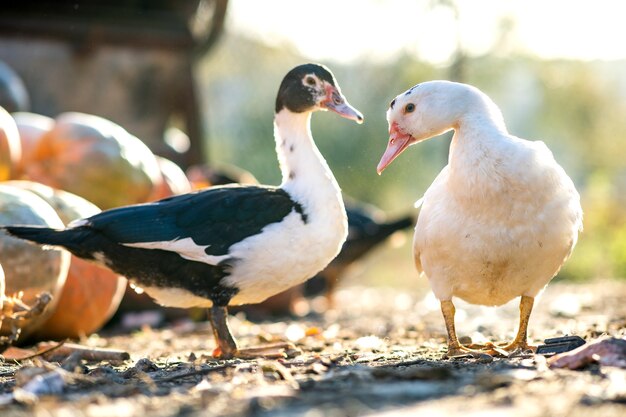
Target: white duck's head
{"type": "Point", "coordinates": [430, 109]}
{"type": "Point", "coordinates": [312, 87]}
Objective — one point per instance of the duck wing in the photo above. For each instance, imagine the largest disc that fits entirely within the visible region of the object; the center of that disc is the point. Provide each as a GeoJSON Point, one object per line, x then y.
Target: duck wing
{"type": "Point", "coordinates": [215, 218]}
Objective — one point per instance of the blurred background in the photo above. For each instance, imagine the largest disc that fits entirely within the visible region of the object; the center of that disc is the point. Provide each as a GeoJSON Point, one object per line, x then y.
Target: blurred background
{"type": "Point", "coordinates": [557, 69]}
{"type": "Point", "coordinates": [210, 69]}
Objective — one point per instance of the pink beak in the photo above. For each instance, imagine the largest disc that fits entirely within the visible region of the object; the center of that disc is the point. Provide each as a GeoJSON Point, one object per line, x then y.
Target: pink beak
{"type": "Point", "coordinates": [398, 142]}
{"type": "Point", "coordinates": [337, 103]}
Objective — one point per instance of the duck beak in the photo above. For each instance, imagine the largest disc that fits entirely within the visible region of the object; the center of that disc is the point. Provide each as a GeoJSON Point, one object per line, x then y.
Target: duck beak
{"type": "Point", "coordinates": [398, 142]}
{"type": "Point", "coordinates": [337, 103]}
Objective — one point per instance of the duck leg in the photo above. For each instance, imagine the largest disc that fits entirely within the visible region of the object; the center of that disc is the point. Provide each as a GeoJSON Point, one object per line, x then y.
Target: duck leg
{"type": "Point", "coordinates": [227, 346]}
{"type": "Point", "coordinates": [332, 279]}
{"type": "Point", "coordinates": [520, 342]}
{"type": "Point", "coordinates": [455, 348]}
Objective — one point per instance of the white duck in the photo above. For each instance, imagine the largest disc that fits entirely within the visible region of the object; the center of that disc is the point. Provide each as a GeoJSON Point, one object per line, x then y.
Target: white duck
{"type": "Point", "coordinates": [499, 220]}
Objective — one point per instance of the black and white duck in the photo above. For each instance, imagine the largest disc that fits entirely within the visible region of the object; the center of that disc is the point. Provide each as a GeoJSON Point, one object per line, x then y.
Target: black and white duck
{"type": "Point", "coordinates": [230, 245]}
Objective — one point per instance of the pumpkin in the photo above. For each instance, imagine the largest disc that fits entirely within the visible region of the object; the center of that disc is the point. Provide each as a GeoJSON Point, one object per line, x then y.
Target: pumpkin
{"type": "Point", "coordinates": [174, 182]}
{"type": "Point", "coordinates": [90, 297]}
{"type": "Point", "coordinates": [31, 128]}
{"type": "Point", "coordinates": [10, 150]}
{"type": "Point", "coordinates": [91, 293]}
{"type": "Point", "coordinates": [95, 159]}
{"type": "Point", "coordinates": [205, 175]}
{"type": "Point", "coordinates": [28, 268]}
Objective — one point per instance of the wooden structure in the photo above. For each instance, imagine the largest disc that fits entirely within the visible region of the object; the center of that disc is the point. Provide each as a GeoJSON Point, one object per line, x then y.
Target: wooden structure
{"type": "Point", "coordinates": [131, 61]}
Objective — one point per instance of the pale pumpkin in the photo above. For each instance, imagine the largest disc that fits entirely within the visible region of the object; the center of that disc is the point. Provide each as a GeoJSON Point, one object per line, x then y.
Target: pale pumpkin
{"type": "Point", "coordinates": [174, 182]}
{"type": "Point", "coordinates": [91, 293]}
{"type": "Point", "coordinates": [28, 268]}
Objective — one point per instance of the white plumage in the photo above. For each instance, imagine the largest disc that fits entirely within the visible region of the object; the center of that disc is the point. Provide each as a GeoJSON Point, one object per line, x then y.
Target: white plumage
{"type": "Point", "coordinates": [500, 219]}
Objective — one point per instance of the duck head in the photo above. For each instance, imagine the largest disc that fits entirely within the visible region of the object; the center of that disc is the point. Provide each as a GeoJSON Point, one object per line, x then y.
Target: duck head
{"type": "Point", "coordinates": [312, 87]}
{"type": "Point", "coordinates": [423, 111]}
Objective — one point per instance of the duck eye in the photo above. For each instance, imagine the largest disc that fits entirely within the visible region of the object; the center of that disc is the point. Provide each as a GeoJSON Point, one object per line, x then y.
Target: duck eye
{"type": "Point", "coordinates": [337, 100]}
{"type": "Point", "coordinates": [310, 80]}
{"type": "Point", "coordinates": [409, 108]}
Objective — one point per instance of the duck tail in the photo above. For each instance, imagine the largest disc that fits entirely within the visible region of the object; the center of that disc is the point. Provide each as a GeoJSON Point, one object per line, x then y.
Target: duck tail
{"type": "Point", "coordinates": [387, 229]}
{"type": "Point", "coordinates": [67, 238]}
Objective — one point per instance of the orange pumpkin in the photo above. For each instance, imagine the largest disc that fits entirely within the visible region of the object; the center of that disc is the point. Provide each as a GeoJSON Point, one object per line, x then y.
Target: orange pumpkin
{"type": "Point", "coordinates": [90, 297]}
{"type": "Point", "coordinates": [29, 268]}
{"type": "Point", "coordinates": [31, 128]}
{"type": "Point", "coordinates": [205, 175]}
{"type": "Point", "coordinates": [174, 182]}
{"type": "Point", "coordinates": [91, 293]}
{"type": "Point", "coordinates": [10, 150]}
{"type": "Point", "coordinates": [95, 159]}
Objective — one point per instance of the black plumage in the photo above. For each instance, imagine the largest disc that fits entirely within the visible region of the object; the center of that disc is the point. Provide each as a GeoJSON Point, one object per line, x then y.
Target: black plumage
{"type": "Point", "coordinates": [366, 230]}
{"type": "Point", "coordinates": [218, 217]}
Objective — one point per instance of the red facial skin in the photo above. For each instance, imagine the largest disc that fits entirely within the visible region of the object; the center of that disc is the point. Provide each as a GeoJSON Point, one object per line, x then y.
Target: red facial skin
{"type": "Point", "coordinates": [335, 102]}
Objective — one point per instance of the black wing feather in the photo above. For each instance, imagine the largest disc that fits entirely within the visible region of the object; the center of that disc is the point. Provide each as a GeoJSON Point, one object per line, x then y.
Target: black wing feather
{"type": "Point", "coordinates": [217, 217]}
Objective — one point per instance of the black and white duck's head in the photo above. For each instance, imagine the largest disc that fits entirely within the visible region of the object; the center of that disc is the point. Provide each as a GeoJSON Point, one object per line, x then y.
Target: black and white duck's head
{"type": "Point", "coordinates": [312, 87]}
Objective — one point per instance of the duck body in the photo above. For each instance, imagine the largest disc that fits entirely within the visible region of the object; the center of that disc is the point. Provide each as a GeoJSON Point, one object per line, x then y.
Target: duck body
{"type": "Point", "coordinates": [500, 219]}
{"type": "Point", "coordinates": [233, 244]}
{"type": "Point", "coordinates": [250, 247]}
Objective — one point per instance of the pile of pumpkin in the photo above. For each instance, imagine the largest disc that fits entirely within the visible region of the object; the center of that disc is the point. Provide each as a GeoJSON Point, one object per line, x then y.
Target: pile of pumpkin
{"type": "Point", "coordinates": [53, 171]}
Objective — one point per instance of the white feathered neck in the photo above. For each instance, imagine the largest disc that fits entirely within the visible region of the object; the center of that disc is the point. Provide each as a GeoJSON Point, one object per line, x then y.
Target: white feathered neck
{"type": "Point", "coordinates": [306, 175]}
{"type": "Point", "coordinates": [483, 155]}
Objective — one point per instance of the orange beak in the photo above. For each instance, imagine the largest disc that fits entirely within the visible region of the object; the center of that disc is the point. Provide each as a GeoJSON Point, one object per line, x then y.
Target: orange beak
{"type": "Point", "coordinates": [398, 142]}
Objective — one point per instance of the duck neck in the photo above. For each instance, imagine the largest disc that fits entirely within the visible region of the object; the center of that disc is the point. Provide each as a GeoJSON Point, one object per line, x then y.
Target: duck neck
{"type": "Point", "coordinates": [477, 152]}
{"type": "Point", "coordinates": [306, 175]}
{"type": "Point", "coordinates": [477, 132]}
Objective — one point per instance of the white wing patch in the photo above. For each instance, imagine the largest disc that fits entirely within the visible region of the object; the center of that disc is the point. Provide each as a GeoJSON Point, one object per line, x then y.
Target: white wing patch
{"type": "Point", "coordinates": [78, 223]}
{"type": "Point", "coordinates": [186, 248]}
{"type": "Point", "coordinates": [177, 297]}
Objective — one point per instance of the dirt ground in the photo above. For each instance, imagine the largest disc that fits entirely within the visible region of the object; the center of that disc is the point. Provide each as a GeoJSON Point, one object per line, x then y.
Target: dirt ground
{"type": "Point", "coordinates": [378, 354]}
